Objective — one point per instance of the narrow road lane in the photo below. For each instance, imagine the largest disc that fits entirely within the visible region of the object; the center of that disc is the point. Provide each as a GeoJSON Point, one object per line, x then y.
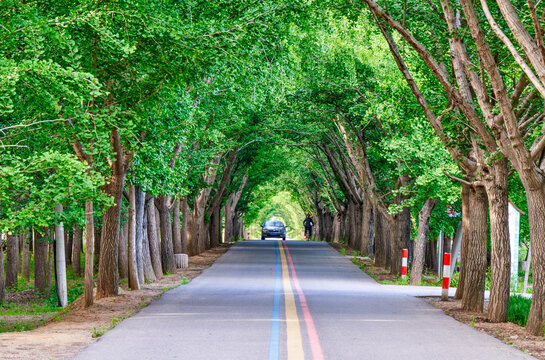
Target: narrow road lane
{"type": "Point", "coordinates": [291, 300]}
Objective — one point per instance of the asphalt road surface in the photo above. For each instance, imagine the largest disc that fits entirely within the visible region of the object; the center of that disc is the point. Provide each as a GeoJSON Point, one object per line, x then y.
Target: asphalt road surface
{"type": "Point", "coordinates": [292, 300]}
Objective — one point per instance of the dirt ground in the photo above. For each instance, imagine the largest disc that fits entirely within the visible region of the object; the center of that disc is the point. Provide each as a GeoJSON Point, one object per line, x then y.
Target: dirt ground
{"type": "Point", "coordinates": [65, 335]}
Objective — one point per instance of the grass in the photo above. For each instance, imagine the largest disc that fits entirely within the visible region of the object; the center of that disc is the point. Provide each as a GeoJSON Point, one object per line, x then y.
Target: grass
{"type": "Point", "coordinates": [95, 332]}
{"type": "Point", "coordinates": [8, 326]}
{"type": "Point", "coordinates": [39, 307]}
{"type": "Point", "coordinates": [184, 281]}
{"type": "Point", "coordinates": [355, 259]}
{"type": "Point", "coordinates": [519, 308]}
{"type": "Point", "coordinates": [397, 281]}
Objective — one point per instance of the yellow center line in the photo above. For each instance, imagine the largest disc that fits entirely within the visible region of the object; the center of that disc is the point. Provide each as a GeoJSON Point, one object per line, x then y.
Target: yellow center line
{"type": "Point", "coordinates": [294, 340]}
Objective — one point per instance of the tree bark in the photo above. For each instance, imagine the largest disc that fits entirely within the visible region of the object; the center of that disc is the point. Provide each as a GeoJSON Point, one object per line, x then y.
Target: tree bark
{"type": "Point", "coordinates": [40, 261]}
{"type": "Point", "coordinates": [167, 253]}
{"type": "Point", "coordinates": [26, 257]}
{"type": "Point", "coordinates": [421, 239]}
{"type": "Point", "coordinates": [500, 269]}
{"type": "Point", "coordinates": [395, 244]}
{"type": "Point", "coordinates": [96, 250]}
{"type": "Point", "coordinates": [89, 256]}
{"type": "Point", "coordinates": [368, 229]}
{"type": "Point", "coordinates": [183, 229]}
{"type": "Point", "coordinates": [536, 209]}
{"type": "Point", "coordinates": [466, 229]}
{"type": "Point", "coordinates": [229, 216]}
{"type": "Point", "coordinates": [140, 199]}
{"type": "Point", "coordinates": [76, 250]}
{"type": "Point", "coordinates": [12, 258]}
{"type": "Point", "coordinates": [134, 283]}
{"type": "Point", "coordinates": [149, 273]}
{"type": "Point", "coordinates": [191, 233]}
{"type": "Point", "coordinates": [153, 238]}
{"type": "Point", "coordinates": [475, 266]}
{"type": "Point", "coordinates": [49, 272]}
{"type": "Point", "coordinates": [215, 227]}
{"type": "Point", "coordinates": [176, 228]}
{"type": "Point", "coordinates": [69, 240]}
{"type": "Point", "coordinates": [2, 283]}
{"type": "Point", "coordinates": [123, 252]}
{"type": "Point", "coordinates": [107, 273]}
{"type": "Point", "coordinates": [381, 247]}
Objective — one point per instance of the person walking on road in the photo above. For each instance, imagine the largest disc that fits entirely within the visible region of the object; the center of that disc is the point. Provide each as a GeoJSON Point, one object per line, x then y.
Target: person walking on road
{"type": "Point", "coordinates": [308, 223]}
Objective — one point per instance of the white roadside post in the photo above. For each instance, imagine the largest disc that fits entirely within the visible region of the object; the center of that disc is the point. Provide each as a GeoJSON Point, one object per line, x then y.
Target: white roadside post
{"type": "Point", "coordinates": [405, 255]}
{"type": "Point", "coordinates": [514, 231]}
{"type": "Point", "coordinates": [60, 261]}
{"type": "Point", "coordinates": [527, 269]}
{"type": "Point", "coordinates": [446, 277]}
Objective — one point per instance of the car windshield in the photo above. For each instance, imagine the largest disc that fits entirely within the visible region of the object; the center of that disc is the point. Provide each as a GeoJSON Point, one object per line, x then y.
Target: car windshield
{"type": "Point", "coordinates": [271, 223]}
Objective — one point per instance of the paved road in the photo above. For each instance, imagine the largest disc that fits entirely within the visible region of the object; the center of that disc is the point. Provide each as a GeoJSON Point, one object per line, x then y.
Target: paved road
{"type": "Point", "coordinates": [251, 304]}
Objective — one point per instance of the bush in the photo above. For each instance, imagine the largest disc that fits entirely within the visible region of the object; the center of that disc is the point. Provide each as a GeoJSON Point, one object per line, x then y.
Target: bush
{"type": "Point", "coordinates": [455, 279]}
{"type": "Point", "coordinates": [519, 308]}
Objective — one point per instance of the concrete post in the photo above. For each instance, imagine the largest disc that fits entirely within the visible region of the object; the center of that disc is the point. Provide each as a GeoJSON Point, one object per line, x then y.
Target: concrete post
{"type": "Point", "coordinates": [60, 261]}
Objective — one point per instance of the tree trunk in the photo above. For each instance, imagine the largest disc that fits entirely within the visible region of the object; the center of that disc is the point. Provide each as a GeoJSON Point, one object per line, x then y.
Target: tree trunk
{"type": "Point", "coordinates": [536, 209]}
{"type": "Point", "coordinates": [401, 230]}
{"type": "Point", "coordinates": [96, 250]}
{"type": "Point", "coordinates": [49, 272]}
{"type": "Point", "coordinates": [2, 284]}
{"type": "Point", "coordinates": [183, 229]}
{"type": "Point", "coordinates": [149, 273]}
{"type": "Point", "coordinates": [368, 229]}
{"type": "Point", "coordinates": [123, 251]}
{"type": "Point", "coordinates": [352, 224]}
{"type": "Point", "coordinates": [201, 233]}
{"type": "Point", "coordinates": [192, 234]}
{"type": "Point", "coordinates": [337, 227]}
{"type": "Point", "coordinates": [236, 227]}
{"type": "Point", "coordinates": [229, 220]}
{"type": "Point", "coordinates": [500, 267]}
{"type": "Point", "coordinates": [140, 200]}
{"type": "Point", "coordinates": [381, 245]}
{"type": "Point", "coordinates": [89, 247]}
{"type": "Point", "coordinates": [69, 240]}
{"type": "Point", "coordinates": [40, 261]}
{"type": "Point", "coordinates": [395, 243]}
{"type": "Point", "coordinates": [176, 228]}
{"type": "Point", "coordinates": [76, 250]}
{"type": "Point", "coordinates": [421, 239]}
{"type": "Point", "coordinates": [215, 227]}
{"type": "Point", "coordinates": [167, 253]}
{"type": "Point", "coordinates": [134, 283]}
{"type": "Point", "coordinates": [12, 258]}
{"type": "Point", "coordinates": [107, 268]}
{"type": "Point", "coordinates": [466, 228]}
{"type": "Point", "coordinates": [475, 266]}
{"type": "Point", "coordinates": [153, 238]}
{"type": "Point", "coordinates": [26, 257]}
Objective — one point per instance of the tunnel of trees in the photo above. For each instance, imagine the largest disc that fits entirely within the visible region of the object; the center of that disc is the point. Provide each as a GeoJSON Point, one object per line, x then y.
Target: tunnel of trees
{"type": "Point", "coordinates": [167, 127]}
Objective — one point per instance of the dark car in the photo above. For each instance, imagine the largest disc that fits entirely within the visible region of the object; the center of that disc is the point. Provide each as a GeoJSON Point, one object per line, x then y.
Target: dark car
{"type": "Point", "coordinates": [273, 228]}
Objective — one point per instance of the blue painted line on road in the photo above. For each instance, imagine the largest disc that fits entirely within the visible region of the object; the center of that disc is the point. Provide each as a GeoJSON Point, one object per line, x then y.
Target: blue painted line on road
{"type": "Point", "coordinates": [274, 344]}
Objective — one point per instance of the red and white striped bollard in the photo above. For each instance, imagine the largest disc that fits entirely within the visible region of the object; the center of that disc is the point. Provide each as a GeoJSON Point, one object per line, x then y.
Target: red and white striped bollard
{"type": "Point", "coordinates": [248, 235]}
{"type": "Point", "coordinates": [405, 255]}
{"type": "Point", "coordinates": [446, 277]}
